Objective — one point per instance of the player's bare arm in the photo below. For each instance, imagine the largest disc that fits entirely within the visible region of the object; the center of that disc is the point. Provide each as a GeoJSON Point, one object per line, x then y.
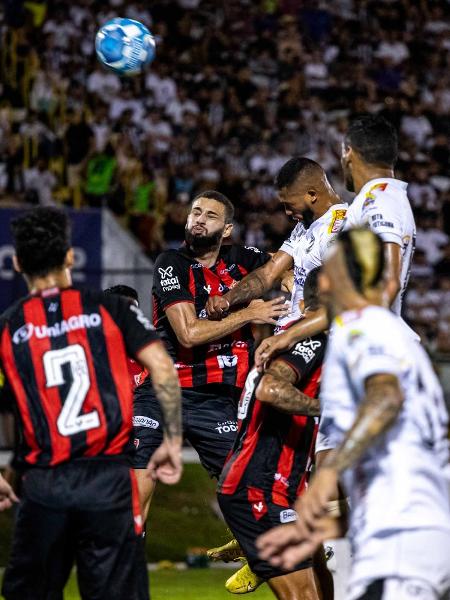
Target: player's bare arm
{"type": "Point", "coordinates": [253, 286]}
{"type": "Point", "coordinates": [313, 323]}
{"type": "Point", "coordinates": [277, 389]}
{"type": "Point", "coordinates": [192, 331]}
{"type": "Point", "coordinates": [393, 269]}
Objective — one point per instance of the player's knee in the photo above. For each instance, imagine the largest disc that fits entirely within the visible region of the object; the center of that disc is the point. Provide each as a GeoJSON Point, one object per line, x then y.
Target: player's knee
{"type": "Point", "coordinates": [267, 389]}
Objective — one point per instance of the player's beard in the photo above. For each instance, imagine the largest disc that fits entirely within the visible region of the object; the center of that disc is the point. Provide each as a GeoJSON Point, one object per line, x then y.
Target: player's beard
{"type": "Point", "coordinates": [308, 217]}
{"type": "Point", "coordinates": [203, 243]}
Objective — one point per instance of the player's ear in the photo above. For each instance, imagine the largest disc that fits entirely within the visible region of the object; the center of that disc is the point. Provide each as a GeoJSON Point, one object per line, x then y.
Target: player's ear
{"type": "Point", "coordinates": [312, 196]}
{"type": "Point", "coordinates": [69, 261]}
{"type": "Point", "coordinates": [227, 231]}
{"type": "Point", "coordinates": [16, 264]}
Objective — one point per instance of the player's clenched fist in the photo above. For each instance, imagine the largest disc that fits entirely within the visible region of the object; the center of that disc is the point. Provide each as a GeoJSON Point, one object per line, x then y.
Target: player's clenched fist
{"type": "Point", "coordinates": [217, 307]}
{"type": "Point", "coordinates": [166, 462]}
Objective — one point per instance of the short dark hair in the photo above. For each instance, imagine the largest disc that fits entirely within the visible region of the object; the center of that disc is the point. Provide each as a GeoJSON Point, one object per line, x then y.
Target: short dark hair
{"type": "Point", "coordinates": [293, 168]}
{"type": "Point", "coordinates": [123, 290]}
{"type": "Point", "coordinates": [311, 289]}
{"type": "Point", "coordinates": [364, 257]}
{"type": "Point", "coordinates": [214, 195]}
{"type": "Point", "coordinates": [374, 139]}
{"type": "Point", "coordinates": [41, 240]}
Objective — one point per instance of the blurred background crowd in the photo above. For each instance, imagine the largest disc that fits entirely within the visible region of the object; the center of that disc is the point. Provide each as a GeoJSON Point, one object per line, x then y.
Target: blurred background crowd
{"type": "Point", "coordinates": [237, 88]}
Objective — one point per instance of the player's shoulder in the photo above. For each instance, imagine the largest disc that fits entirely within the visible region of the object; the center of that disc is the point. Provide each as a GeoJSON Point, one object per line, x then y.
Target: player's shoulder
{"type": "Point", "coordinates": [381, 191]}
{"type": "Point", "coordinates": [9, 313]}
{"type": "Point", "coordinates": [173, 256]}
{"type": "Point", "coordinates": [371, 322]}
{"type": "Point", "coordinates": [333, 220]}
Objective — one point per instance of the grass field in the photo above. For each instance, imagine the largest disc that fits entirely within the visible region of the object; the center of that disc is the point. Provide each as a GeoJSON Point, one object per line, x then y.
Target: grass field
{"type": "Point", "coordinates": [193, 584]}
{"type": "Point", "coordinates": [181, 517]}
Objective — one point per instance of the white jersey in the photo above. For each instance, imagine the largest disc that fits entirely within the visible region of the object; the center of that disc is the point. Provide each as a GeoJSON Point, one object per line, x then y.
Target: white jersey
{"type": "Point", "coordinates": [383, 205]}
{"type": "Point", "coordinates": [400, 483]}
{"type": "Point", "coordinates": [307, 248]}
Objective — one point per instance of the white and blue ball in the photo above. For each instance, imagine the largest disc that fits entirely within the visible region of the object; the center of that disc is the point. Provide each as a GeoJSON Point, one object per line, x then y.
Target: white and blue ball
{"type": "Point", "coordinates": [125, 46]}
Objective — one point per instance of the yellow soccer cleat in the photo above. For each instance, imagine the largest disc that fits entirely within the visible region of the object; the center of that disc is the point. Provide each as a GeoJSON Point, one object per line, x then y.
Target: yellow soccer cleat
{"type": "Point", "coordinates": [228, 552]}
{"type": "Point", "coordinates": [243, 581]}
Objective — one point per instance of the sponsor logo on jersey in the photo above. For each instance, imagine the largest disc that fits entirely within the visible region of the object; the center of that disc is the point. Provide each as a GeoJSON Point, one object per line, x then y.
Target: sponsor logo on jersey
{"type": "Point", "coordinates": [307, 349]}
{"type": "Point", "coordinates": [370, 196]}
{"type": "Point", "coordinates": [253, 249]}
{"type": "Point", "coordinates": [377, 221]}
{"type": "Point", "coordinates": [226, 427]}
{"type": "Point", "coordinates": [287, 516]}
{"type": "Point", "coordinates": [26, 332]}
{"type": "Point", "coordinates": [141, 421]}
{"type": "Point", "coordinates": [168, 281]}
{"type": "Point", "coordinates": [136, 443]}
{"type": "Point", "coordinates": [227, 361]}
{"type": "Point", "coordinates": [141, 317]}
{"type": "Point", "coordinates": [53, 307]}
{"type": "Point", "coordinates": [279, 477]}
{"type": "Point", "coordinates": [337, 220]}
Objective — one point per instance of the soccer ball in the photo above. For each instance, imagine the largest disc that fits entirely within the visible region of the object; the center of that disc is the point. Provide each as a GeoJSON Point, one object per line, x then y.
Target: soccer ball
{"type": "Point", "coordinates": [125, 46]}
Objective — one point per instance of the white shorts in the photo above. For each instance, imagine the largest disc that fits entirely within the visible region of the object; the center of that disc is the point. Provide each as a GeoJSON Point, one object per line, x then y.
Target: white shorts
{"type": "Point", "coordinates": [403, 560]}
{"type": "Point", "coordinates": [400, 589]}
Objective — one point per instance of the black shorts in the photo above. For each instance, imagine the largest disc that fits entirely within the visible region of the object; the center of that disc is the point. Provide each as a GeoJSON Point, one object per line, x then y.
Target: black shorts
{"type": "Point", "coordinates": [209, 424]}
{"type": "Point", "coordinates": [85, 512]}
{"type": "Point", "coordinates": [249, 513]}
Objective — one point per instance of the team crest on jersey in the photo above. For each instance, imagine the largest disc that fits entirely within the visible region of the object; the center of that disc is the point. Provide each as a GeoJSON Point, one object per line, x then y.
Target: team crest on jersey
{"type": "Point", "coordinates": [337, 220]}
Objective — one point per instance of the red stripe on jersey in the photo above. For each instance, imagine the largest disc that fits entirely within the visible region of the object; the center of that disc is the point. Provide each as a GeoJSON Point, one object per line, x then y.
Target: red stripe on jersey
{"type": "Point", "coordinates": [137, 515]}
{"type": "Point", "coordinates": [237, 469]}
{"type": "Point", "coordinates": [214, 374]}
{"type": "Point", "coordinates": [305, 477]}
{"type": "Point", "coordinates": [240, 349]}
{"type": "Point", "coordinates": [311, 389]}
{"type": "Point", "coordinates": [117, 357]}
{"type": "Point", "coordinates": [224, 274]}
{"type": "Point", "coordinates": [71, 304]}
{"type": "Point", "coordinates": [34, 312]}
{"type": "Point", "coordinates": [15, 380]}
{"type": "Point", "coordinates": [286, 461]}
{"type": "Point", "coordinates": [242, 270]}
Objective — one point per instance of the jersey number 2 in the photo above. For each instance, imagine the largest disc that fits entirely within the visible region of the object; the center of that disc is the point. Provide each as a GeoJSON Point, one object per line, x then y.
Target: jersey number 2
{"type": "Point", "coordinates": [71, 420]}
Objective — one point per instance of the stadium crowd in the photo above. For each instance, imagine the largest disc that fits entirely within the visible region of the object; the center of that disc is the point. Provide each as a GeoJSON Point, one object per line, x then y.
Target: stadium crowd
{"type": "Point", "coordinates": [236, 90]}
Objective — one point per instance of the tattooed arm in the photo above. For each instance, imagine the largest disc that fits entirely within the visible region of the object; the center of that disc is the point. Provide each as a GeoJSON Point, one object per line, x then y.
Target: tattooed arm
{"type": "Point", "coordinates": [377, 413]}
{"type": "Point", "coordinates": [277, 388]}
{"type": "Point", "coordinates": [165, 383]}
{"type": "Point", "coordinates": [253, 286]}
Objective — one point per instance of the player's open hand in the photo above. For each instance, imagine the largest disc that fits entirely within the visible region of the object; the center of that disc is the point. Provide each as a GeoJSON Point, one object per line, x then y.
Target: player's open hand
{"type": "Point", "coordinates": [270, 347]}
{"type": "Point", "coordinates": [217, 308]}
{"type": "Point", "coordinates": [7, 495]}
{"type": "Point", "coordinates": [166, 463]}
{"type": "Point", "coordinates": [285, 546]}
{"type": "Point", "coordinates": [267, 311]}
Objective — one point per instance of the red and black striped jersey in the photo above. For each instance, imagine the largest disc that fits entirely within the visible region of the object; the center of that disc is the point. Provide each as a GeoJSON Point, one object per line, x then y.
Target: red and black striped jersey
{"type": "Point", "coordinates": [274, 451]}
{"type": "Point", "coordinates": [179, 277]}
{"type": "Point", "coordinates": [64, 353]}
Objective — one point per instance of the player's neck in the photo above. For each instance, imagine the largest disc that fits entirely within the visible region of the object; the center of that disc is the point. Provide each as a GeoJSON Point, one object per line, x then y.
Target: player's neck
{"type": "Point", "coordinates": [366, 173]}
{"type": "Point", "coordinates": [352, 300]}
{"type": "Point", "coordinates": [56, 279]}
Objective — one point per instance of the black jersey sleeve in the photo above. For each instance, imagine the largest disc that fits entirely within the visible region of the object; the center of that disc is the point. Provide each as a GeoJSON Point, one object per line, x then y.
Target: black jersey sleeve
{"type": "Point", "coordinates": [171, 279]}
{"type": "Point", "coordinates": [136, 329]}
{"type": "Point", "coordinates": [251, 258]}
{"type": "Point", "coordinates": [305, 357]}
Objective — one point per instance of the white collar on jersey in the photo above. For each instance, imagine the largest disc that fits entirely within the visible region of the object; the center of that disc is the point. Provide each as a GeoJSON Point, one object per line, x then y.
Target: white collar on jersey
{"type": "Point", "coordinates": [390, 180]}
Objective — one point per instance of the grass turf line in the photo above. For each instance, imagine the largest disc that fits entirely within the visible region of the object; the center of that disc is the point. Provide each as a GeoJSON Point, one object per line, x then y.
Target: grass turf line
{"type": "Point", "coordinates": [193, 584]}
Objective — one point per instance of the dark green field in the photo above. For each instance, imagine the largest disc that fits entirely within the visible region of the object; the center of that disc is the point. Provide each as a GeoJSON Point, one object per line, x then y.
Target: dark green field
{"type": "Point", "coordinates": [181, 518]}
